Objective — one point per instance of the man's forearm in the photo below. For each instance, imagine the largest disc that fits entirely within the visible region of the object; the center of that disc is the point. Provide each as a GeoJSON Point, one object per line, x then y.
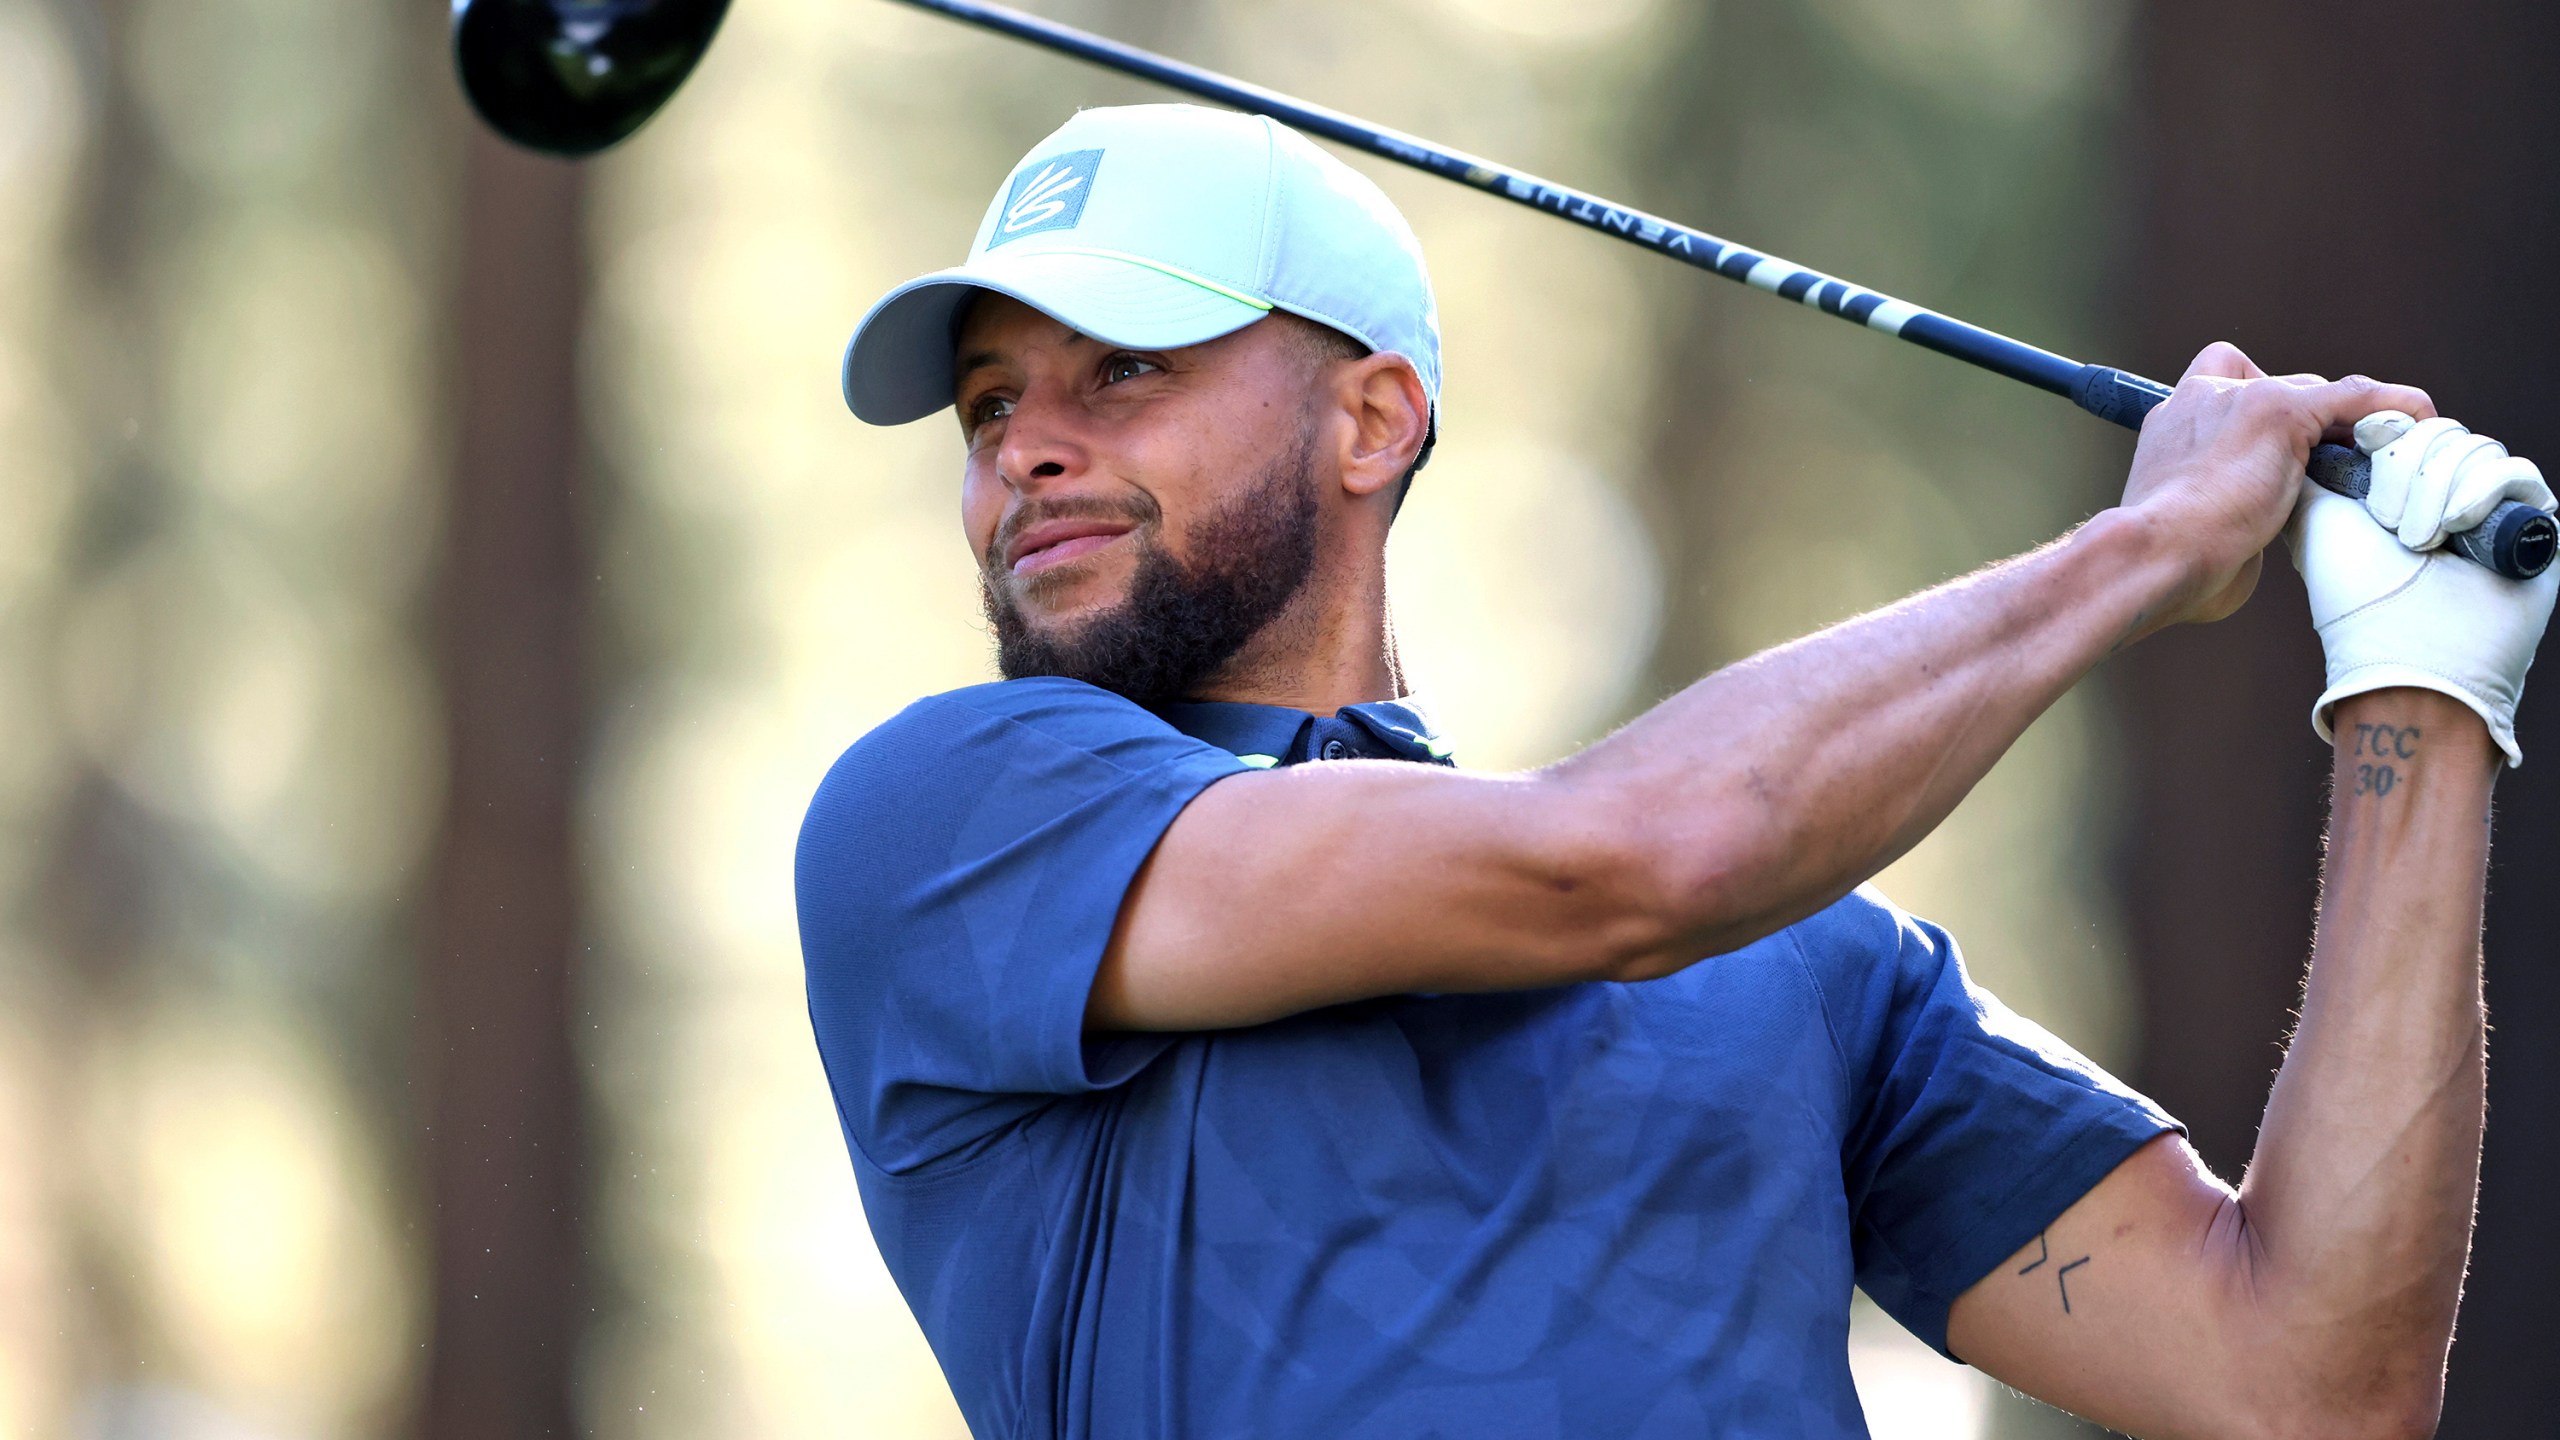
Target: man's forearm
{"type": "Point", "coordinates": [2356, 1211]}
{"type": "Point", "coordinates": [1775, 785]}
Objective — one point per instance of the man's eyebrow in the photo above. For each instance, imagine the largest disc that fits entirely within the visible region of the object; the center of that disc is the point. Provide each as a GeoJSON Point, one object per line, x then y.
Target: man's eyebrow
{"type": "Point", "coordinates": [977, 360]}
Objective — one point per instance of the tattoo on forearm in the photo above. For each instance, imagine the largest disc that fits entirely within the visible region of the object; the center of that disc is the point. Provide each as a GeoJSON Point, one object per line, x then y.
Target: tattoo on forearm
{"type": "Point", "coordinates": [2380, 745]}
{"type": "Point", "coordinates": [2061, 1277]}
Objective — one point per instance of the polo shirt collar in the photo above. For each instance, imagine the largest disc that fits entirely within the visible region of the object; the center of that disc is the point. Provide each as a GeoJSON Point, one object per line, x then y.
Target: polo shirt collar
{"type": "Point", "coordinates": [1269, 735]}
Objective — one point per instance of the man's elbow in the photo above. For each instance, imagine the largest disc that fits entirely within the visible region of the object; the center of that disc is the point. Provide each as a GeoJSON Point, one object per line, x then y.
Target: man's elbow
{"type": "Point", "coordinates": [1642, 899]}
{"type": "Point", "coordinates": [2413, 1418]}
{"type": "Point", "coordinates": [2322, 1403]}
{"type": "Point", "coordinates": [2302, 1359]}
{"type": "Point", "coordinates": [2368, 1417]}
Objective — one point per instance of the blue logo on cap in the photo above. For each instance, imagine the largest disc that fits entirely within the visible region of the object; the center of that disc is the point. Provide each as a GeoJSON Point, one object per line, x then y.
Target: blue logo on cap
{"type": "Point", "coordinates": [1047, 194]}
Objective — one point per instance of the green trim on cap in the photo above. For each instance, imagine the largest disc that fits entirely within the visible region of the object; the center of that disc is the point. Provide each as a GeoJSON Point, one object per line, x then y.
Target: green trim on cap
{"type": "Point", "coordinates": [1161, 268]}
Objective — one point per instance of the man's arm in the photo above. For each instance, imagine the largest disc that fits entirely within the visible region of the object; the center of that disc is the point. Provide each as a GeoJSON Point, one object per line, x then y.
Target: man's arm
{"type": "Point", "coordinates": [2319, 1298]}
{"type": "Point", "coordinates": [1746, 802]}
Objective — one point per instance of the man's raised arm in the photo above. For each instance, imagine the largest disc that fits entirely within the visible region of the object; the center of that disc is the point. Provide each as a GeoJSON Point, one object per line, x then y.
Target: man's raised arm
{"type": "Point", "coordinates": [2319, 1298]}
{"type": "Point", "coordinates": [1746, 802]}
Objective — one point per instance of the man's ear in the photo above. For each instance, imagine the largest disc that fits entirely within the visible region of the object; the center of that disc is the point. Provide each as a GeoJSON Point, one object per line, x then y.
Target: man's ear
{"type": "Point", "coordinates": [1383, 397]}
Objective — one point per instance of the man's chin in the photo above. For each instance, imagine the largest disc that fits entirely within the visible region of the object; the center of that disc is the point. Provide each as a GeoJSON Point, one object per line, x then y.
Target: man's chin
{"type": "Point", "coordinates": [1061, 633]}
{"type": "Point", "coordinates": [1055, 626]}
{"type": "Point", "coordinates": [1059, 601]}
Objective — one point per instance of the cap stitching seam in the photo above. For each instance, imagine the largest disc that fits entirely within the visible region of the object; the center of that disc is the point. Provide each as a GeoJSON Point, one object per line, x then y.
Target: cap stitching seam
{"type": "Point", "coordinates": [1309, 312]}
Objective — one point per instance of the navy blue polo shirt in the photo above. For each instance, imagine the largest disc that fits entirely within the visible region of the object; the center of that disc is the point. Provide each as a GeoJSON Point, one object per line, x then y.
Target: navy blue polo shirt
{"type": "Point", "coordinates": [1599, 1209]}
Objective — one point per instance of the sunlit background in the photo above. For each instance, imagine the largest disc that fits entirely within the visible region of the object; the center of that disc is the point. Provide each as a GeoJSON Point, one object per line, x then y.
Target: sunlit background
{"type": "Point", "coordinates": [229, 389]}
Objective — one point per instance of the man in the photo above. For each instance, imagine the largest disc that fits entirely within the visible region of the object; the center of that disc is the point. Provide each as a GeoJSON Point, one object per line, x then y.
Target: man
{"type": "Point", "coordinates": [1217, 1060]}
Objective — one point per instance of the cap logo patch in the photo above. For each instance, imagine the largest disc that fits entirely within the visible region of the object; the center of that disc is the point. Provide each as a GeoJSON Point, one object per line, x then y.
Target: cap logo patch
{"type": "Point", "coordinates": [1047, 195]}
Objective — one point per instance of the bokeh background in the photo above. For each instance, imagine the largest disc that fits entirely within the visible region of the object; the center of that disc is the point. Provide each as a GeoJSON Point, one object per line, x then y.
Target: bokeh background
{"type": "Point", "coordinates": [432, 579]}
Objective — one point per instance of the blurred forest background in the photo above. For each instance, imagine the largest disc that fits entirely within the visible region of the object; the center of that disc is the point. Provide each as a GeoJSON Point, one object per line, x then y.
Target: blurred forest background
{"type": "Point", "coordinates": [433, 579]}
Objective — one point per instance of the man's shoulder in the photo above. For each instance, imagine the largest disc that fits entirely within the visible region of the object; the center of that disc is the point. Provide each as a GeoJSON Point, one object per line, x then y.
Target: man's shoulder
{"type": "Point", "coordinates": [955, 737]}
{"type": "Point", "coordinates": [1861, 928]}
{"type": "Point", "coordinates": [1038, 700]}
{"type": "Point", "coordinates": [1023, 749]}
{"type": "Point", "coordinates": [1874, 964]}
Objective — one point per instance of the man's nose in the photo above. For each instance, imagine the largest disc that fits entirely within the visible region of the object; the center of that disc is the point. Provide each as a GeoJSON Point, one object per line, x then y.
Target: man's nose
{"type": "Point", "coordinates": [1043, 441]}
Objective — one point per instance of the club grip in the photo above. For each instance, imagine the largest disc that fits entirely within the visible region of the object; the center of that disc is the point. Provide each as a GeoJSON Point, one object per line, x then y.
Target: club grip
{"type": "Point", "coordinates": [2517, 540]}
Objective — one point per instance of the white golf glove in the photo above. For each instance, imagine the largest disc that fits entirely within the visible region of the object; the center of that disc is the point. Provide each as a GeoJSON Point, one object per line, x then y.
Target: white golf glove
{"type": "Point", "coordinates": [2434, 478]}
{"type": "Point", "coordinates": [2391, 608]}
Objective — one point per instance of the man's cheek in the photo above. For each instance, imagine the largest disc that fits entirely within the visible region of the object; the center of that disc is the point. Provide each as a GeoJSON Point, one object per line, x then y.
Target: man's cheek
{"type": "Point", "coordinates": [981, 508]}
{"type": "Point", "coordinates": [979, 533]}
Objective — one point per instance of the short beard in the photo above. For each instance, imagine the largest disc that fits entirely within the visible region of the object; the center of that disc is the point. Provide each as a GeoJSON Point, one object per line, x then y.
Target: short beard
{"type": "Point", "coordinates": [1181, 624]}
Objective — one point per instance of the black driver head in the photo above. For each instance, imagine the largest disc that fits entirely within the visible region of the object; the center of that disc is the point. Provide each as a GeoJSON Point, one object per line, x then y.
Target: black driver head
{"type": "Point", "coordinates": [574, 76]}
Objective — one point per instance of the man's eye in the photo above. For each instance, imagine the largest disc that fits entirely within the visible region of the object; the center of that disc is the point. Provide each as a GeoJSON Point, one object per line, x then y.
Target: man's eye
{"type": "Point", "coordinates": [991, 408]}
{"type": "Point", "coordinates": [1125, 367]}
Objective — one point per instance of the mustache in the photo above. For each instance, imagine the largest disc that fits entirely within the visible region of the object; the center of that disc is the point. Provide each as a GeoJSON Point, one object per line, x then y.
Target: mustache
{"type": "Point", "coordinates": [1140, 510]}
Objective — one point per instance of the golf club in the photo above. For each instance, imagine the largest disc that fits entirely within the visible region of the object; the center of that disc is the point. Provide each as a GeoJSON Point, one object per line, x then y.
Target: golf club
{"type": "Point", "coordinates": [574, 76]}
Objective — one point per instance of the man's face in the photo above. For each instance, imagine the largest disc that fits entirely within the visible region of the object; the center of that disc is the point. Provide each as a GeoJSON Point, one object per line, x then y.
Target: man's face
{"type": "Point", "coordinates": [1138, 516]}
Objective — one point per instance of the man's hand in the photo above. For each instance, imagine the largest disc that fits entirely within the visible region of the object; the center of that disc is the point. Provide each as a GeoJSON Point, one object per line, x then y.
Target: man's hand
{"type": "Point", "coordinates": [2222, 459]}
{"type": "Point", "coordinates": [2390, 615]}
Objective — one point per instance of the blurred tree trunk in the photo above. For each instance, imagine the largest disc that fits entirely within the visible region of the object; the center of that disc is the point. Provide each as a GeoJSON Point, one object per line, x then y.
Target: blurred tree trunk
{"type": "Point", "coordinates": [106, 873]}
{"type": "Point", "coordinates": [504, 1139]}
{"type": "Point", "coordinates": [2336, 188]}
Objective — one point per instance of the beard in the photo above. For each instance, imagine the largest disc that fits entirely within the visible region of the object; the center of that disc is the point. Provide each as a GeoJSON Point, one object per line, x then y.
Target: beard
{"type": "Point", "coordinates": [1181, 623]}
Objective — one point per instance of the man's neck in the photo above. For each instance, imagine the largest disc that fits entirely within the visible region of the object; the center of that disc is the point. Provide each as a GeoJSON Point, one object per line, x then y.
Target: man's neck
{"type": "Point", "coordinates": [1315, 695]}
{"type": "Point", "coordinates": [1317, 659]}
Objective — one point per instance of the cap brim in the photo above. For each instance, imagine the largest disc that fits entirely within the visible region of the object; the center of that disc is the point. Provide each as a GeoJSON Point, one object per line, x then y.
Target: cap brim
{"type": "Point", "coordinates": [899, 365]}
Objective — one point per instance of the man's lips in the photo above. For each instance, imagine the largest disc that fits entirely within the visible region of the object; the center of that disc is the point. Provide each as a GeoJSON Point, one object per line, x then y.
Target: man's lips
{"type": "Point", "coordinates": [1059, 541]}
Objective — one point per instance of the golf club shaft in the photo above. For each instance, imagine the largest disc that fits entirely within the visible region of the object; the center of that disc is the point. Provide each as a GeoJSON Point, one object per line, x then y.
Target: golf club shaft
{"type": "Point", "coordinates": [2510, 542]}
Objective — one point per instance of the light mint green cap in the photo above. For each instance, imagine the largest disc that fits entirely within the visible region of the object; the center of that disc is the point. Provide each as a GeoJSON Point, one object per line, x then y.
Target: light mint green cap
{"type": "Point", "coordinates": [1154, 227]}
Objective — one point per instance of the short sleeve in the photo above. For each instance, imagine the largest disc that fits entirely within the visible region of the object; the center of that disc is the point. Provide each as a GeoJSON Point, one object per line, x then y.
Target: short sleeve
{"type": "Point", "coordinates": [1971, 1127]}
{"type": "Point", "coordinates": [958, 876]}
